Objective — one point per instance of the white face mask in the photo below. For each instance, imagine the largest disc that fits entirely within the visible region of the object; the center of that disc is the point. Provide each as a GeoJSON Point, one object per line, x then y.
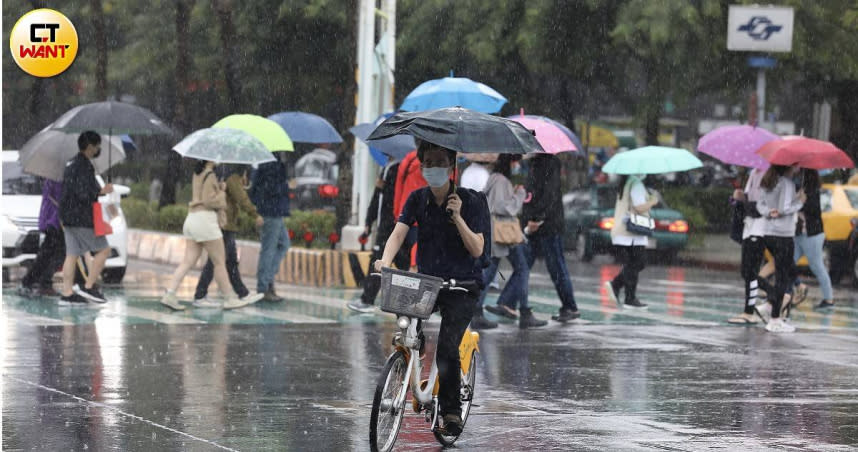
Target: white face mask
{"type": "Point", "coordinates": [436, 177]}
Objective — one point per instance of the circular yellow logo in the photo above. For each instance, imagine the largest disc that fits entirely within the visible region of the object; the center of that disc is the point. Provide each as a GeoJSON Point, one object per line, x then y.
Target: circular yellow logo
{"type": "Point", "coordinates": [43, 42]}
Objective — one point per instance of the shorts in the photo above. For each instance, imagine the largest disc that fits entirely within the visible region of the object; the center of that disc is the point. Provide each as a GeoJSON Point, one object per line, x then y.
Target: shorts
{"type": "Point", "coordinates": [80, 240]}
{"type": "Point", "coordinates": [201, 226]}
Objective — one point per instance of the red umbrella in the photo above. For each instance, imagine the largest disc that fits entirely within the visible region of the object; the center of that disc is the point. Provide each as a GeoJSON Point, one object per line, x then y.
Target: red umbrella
{"type": "Point", "coordinates": [806, 152]}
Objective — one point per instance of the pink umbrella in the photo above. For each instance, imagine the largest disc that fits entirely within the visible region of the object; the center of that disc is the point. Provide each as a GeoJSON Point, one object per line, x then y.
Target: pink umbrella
{"type": "Point", "coordinates": [806, 152]}
{"type": "Point", "coordinates": [737, 145]}
{"type": "Point", "coordinates": [551, 137]}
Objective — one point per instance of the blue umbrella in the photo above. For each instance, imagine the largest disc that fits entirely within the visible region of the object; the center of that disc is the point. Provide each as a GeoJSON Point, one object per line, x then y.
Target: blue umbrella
{"type": "Point", "coordinates": [306, 127]}
{"type": "Point", "coordinates": [395, 147]}
{"type": "Point", "coordinates": [454, 92]}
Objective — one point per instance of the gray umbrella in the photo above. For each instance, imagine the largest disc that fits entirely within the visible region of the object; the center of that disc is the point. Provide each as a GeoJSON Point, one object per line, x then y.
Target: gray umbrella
{"type": "Point", "coordinates": [461, 130]}
{"type": "Point", "coordinates": [47, 152]}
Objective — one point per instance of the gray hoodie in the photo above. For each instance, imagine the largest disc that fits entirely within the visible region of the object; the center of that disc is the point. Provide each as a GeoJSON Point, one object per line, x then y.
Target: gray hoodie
{"type": "Point", "coordinates": [784, 199]}
{"type": "Point", "coordinates": [504, 201]}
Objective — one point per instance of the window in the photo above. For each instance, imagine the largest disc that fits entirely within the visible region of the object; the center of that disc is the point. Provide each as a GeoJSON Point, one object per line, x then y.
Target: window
{"type": "Point", "coordinates": [15, 182]}
{"type": "Point", "coordinates": [852, 195]}
{"type": "Point", "coordinates": [825, 200]}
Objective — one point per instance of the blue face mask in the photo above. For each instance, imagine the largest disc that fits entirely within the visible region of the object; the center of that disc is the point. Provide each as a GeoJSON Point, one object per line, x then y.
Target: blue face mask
{"type": "Point", "coordinates": [436, 177]}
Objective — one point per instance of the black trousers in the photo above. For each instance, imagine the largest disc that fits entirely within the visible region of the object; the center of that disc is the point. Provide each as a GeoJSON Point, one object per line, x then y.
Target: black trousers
{"type": "Point", "coordinates": [632, 258]}
{"type": "Point", "coordinates": [753, 253]}
{"type": "Point", "coordinates": [372, 284]}
{"type": "Point", "coordinates": [50, 257]}
{"type": "Point", "coordinates": [231, 269]}
{"type": "Point", "coordinates": [456, 308]}
{"type": "Point", "coordinates": [782, 248]}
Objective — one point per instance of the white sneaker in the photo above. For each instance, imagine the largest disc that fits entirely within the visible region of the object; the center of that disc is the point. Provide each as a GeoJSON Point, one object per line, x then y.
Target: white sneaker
{"type": "Point", "coordinates": [779, 326]}
{"type": "Point", "coordinates": [252, 298]}
{"type": "Point", "coordinates": [205, 303]}
{"type": "Point", "coordinates": [169, 300]}
{"type": "Point", "coordinates": [235, 303]}
{"type": "Point", "coordinates": [358, 306]}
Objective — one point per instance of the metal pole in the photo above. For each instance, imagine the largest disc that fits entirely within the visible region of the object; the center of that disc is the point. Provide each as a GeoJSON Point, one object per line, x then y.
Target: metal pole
{"type": "Point", "coordinates": [761, 96]}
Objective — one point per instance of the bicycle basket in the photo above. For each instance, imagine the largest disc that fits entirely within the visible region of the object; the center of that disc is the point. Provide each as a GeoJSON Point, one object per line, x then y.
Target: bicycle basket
{"type": "Point", "coordinates": [407, 293]}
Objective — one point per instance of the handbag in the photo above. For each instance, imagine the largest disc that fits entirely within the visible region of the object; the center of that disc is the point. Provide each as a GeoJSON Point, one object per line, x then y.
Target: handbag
{"type": "Point", "coordinates": [507, 231]}
{"type": "Point", "coordinates": [99, 226]}
{"type": "Point", "coordinates": [737, 222]}
{"type": "Point", "coordinates": [221, 213]}
{"type": "Point", "coordinates": [640, 224]}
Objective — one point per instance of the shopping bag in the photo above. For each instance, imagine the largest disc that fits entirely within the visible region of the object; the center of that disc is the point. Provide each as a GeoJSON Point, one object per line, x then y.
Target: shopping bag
{"type": "Point", "coordinates": [99, 226]}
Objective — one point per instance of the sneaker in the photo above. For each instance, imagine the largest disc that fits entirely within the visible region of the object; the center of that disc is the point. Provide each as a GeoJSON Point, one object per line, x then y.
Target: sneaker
{"type": "Point", "coordinates": [91, 294]}
{"type": "Point", "coordinates": [478, 322]}
{"type": "Point", "coordinates": [359, 306]}
{"type": "Point", "coordinates": [72, 300]}
{"type": "Point", "coordinates": [527, 320]}
{"type": "Point", "coordinates": [169, 300]}
{"type": "Point", "coordinates": [824, 305]}
{"type": "Point", "coordinates": [271, 295]}
{"type": "Point", "coordinates": [206, 303]}
{"type": "Point", "coordinates": [566, 315]}
{"type": "Point", "coordinates": [252, 298]}
{"type": "Point", "coordinates": [452, 425]}
{"type": "Point", "coordinates": [502, 311]}
{"type": "Point", "coordinates": [635, 304]}
{"type": "Point", "coordinates": [800, 295]}
{"type": "Point", "coordinates": [613, 293]}
{"type": "Point", "coordinates": [764, 310]}
{"type": "Point", "coordinates": [235, 303]}
{"type": "Point", "coordinates": [779, 326]}
{"type": "Point", "coordinates": [743, 319]}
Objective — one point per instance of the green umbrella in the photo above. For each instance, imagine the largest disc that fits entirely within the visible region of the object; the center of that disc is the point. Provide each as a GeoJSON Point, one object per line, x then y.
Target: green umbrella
{"type": "Point", "coordinates": [224, 146]}
{"type": "Point", "coordinates": [652, 160]}
{"type": "Point", "coordinates": [265, 130]}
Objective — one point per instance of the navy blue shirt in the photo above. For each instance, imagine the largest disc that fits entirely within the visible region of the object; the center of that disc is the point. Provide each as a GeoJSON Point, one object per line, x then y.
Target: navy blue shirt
{"type": "Point", "coordinates": [440, 249]}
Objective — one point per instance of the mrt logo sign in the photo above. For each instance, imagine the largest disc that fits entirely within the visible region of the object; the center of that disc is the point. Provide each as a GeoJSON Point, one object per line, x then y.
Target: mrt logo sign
{"type": "Point", "coordinates": [760, 29]}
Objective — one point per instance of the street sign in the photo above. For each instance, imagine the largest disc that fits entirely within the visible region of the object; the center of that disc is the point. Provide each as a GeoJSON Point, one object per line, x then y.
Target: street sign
{"type": "Point", "coordinates": [760, 28]}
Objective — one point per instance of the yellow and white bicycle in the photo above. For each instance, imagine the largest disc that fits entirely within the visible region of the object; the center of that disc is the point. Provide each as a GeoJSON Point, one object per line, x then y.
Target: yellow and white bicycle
{"type": "Point", "coordinates": [411, 296]}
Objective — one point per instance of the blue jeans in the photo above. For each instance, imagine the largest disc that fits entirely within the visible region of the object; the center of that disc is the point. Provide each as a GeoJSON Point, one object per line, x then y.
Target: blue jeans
{"type": "Point", "coordinates": [551, 248]}
{"type": "Point", "coordinates": [273, 244]}
{"type": "Point", "coordinates": [515, 290]}
{"type": "Point", "coordinates": [812, 248]}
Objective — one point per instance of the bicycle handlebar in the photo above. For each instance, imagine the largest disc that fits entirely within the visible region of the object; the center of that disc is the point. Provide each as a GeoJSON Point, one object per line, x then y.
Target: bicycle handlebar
{"type": "Point", "coordinates": [452, 284]}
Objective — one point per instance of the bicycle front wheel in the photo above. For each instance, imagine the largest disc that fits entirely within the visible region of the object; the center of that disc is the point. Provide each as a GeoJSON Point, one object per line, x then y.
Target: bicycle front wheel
{"type": "Point", "coordinates": [466, 395]}
{"type": "Point", "coordinates": [386, 417]}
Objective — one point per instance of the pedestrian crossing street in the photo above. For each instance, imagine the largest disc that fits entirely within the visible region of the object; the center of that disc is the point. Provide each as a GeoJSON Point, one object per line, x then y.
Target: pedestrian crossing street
{"type": "Point", "coordinates": [672, 301]}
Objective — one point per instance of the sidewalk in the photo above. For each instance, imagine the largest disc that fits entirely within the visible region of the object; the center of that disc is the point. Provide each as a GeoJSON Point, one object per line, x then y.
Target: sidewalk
{"type": "Point", "coordinates": [717, 252]}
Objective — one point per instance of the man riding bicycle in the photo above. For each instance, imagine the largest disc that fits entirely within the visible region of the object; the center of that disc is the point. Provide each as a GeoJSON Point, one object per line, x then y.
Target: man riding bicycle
{"type": "Point", "coordinates": [454, 230]}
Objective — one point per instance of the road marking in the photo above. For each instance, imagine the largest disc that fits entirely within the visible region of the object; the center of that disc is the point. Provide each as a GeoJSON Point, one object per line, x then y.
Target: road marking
{"type": "Point", "coordinates": [19, 316]}
{"type": "Point", "coordinates": [116, 410]}
{"type": "Point", "coordinates": [122, 309]}
{"type": "Point", "coordinates": [282, 315]}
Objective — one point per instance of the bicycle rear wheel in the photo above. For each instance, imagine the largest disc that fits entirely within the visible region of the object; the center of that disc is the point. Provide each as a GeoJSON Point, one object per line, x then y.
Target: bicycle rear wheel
{"type": "Point", "coordinates": [469, 380]}
{"type": "Point", "coordinates": [386, 418]}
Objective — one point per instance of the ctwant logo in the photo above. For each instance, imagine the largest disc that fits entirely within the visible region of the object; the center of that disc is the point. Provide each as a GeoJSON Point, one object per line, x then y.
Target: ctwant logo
{"type": "Point", "coordinates": [44, 43]}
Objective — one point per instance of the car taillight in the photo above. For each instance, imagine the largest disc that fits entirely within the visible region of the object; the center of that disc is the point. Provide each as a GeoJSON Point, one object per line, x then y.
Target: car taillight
{"type": "Point", "coordinates": [329, 191]}
{"type": "Point", "coordinates": [606, 223]}
{"type": "Point", "coordinates": [678, 226]}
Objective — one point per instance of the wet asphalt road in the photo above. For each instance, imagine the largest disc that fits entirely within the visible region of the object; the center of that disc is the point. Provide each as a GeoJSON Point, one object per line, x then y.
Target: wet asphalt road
{"type": "Point", "coordinates": [300, 375]}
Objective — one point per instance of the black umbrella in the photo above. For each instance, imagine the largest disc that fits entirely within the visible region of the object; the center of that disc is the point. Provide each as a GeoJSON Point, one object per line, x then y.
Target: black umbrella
{"type": "Point", "coordinates": [111, 118]}
{"type": "Point", "coordinates": [461, 130]}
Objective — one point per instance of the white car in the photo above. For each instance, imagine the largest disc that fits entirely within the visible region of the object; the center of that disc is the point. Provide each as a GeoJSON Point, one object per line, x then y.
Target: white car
{"type": "Point", "coordinates": [19, 219]}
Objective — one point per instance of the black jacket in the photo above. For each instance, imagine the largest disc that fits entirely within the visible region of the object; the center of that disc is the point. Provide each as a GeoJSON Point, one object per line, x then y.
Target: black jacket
{"type": "Point", "coordinates": [812, 215]}
{"type": "Point", "coordinates": [269, 190]}
{"type": "Point", "coordinates": [80, 190]}
{"type": "Point", "coordinates": [545, 204]}
{"type": "Point", "coordinates": [384, 212]}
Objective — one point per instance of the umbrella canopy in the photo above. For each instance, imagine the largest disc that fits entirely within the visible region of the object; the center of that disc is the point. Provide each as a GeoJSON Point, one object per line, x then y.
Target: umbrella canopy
{"type": "Point", "coordinates": [461, 130]}
{"type": "Point", "coordinates": [652, 160]}
{"type": "Point", "coordinates": [736, 145]}
{"type": "Point", "coordinates": [272, 136]}
{"type": "Point", "coordinates": [806, 152]}
{"type": "Point", "coordinates": [454, 92]}
{"type": "Point", "coordinates": [111, 117]}
{"type": "Point", "coordinates": [395, 147]}
{"type": "Point", "coordinates": [47, 152]}
{"type": "Point", "coordinates": [600, 137]}
{"type": "Point", "coordinates": [548, 133]}
{"type": "Point", "coordinates": [306, 127]}
{"type": "Point", "coordinates": [224, 145]}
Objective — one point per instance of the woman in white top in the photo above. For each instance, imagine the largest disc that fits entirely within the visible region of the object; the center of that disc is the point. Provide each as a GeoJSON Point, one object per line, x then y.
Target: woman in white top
{"type": "Point", "coordinates": [753, 247]}
{"type": "Point", "coordinates": [632, 197]}
{"type": "Point", "coordinates": [202, 231]}
{"type": "Point", "coordinates": [779, 204]}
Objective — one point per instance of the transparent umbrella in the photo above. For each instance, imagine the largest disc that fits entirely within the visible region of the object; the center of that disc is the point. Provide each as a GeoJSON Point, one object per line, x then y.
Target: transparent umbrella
{"type": "Point", "coordinates": [224, 145]}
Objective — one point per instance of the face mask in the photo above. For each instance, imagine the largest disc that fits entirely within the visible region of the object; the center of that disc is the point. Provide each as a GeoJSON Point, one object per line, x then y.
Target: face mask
{"type": "Point", "coordinates": [516, 170]}
{"type": "Point", "coordinates": [436, 177]}
{"type": "Point", "coordinates": [97, 153]}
